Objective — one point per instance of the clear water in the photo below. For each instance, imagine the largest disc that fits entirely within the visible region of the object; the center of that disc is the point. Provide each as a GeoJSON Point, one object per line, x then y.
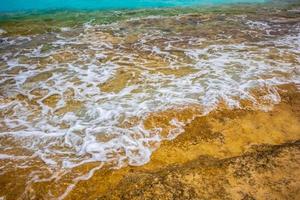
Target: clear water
{"type": "Point", "coordinates": [21, 5]}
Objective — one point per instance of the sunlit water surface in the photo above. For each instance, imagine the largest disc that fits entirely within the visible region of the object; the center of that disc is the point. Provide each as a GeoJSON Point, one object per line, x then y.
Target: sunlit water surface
{"type": "Point", "coordinates": [20, 5]}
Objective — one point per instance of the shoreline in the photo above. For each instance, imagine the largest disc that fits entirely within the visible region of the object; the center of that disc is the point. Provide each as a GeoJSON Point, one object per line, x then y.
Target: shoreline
{"type": "Point", "coordinates": [215, 155]}
{"type": "Point", "coordinates": [75, 94]}
{"type": "Point", "coordinates": [207, 145]}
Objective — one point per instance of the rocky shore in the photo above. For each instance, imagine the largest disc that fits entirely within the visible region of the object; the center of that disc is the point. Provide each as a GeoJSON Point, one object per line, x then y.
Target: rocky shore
{"type": "Point", "coordinates": [228, 154]}
{"type": "Point", "coordinates": [179, 103]}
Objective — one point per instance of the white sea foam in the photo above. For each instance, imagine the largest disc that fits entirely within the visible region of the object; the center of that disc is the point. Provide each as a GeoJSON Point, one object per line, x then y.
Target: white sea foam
{"type": "Point", "coordinates": [2, 31]}
{"type": "Point", "coordinates": [258, 25]}
{"type": "Point", "coordinates": [12, 157]}
{"type": "Point", "coordinates": [65, 29]}
{"type": "Point", "coordinates": [222, 72]}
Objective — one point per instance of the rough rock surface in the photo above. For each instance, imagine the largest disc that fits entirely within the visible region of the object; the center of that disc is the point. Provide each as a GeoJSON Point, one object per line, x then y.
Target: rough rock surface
{"type": "Point", "coordinates": [269, 172]}
{"type": "Point", "coordinates": [228, 154]}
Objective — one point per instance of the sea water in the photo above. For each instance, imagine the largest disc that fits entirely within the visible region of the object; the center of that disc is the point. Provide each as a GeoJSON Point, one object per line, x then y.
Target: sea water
{"type": "Point", "coordinates": [88, 92]}
{"type": "Point", "coordinates": [20, 5]}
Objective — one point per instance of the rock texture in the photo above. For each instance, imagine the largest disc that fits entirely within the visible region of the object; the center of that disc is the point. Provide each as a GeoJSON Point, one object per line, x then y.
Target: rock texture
{"type": "Point", "coordinates": [228, 154]}
{"type": "Point", "coordinates": [268, 172]}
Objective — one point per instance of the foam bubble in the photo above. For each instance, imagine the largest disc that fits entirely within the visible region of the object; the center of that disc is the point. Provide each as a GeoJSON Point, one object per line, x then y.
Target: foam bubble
{"type": "Point", "coordinates": [2, 31]}
{"type": "Point", "coordinates": [11, 157]}
{"type": "Point", "coordinates": [65, 29]}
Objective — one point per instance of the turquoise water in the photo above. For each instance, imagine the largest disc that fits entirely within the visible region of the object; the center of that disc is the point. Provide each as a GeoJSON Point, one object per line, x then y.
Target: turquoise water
{"type": "Point", "coordinates": [29, 5]}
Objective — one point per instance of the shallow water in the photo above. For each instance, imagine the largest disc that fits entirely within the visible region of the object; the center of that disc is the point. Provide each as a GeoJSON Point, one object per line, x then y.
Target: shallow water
{"type": "Point", "coordinates": [109, 93]}
{"type": "Point", "coordinates": [20, 5]}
